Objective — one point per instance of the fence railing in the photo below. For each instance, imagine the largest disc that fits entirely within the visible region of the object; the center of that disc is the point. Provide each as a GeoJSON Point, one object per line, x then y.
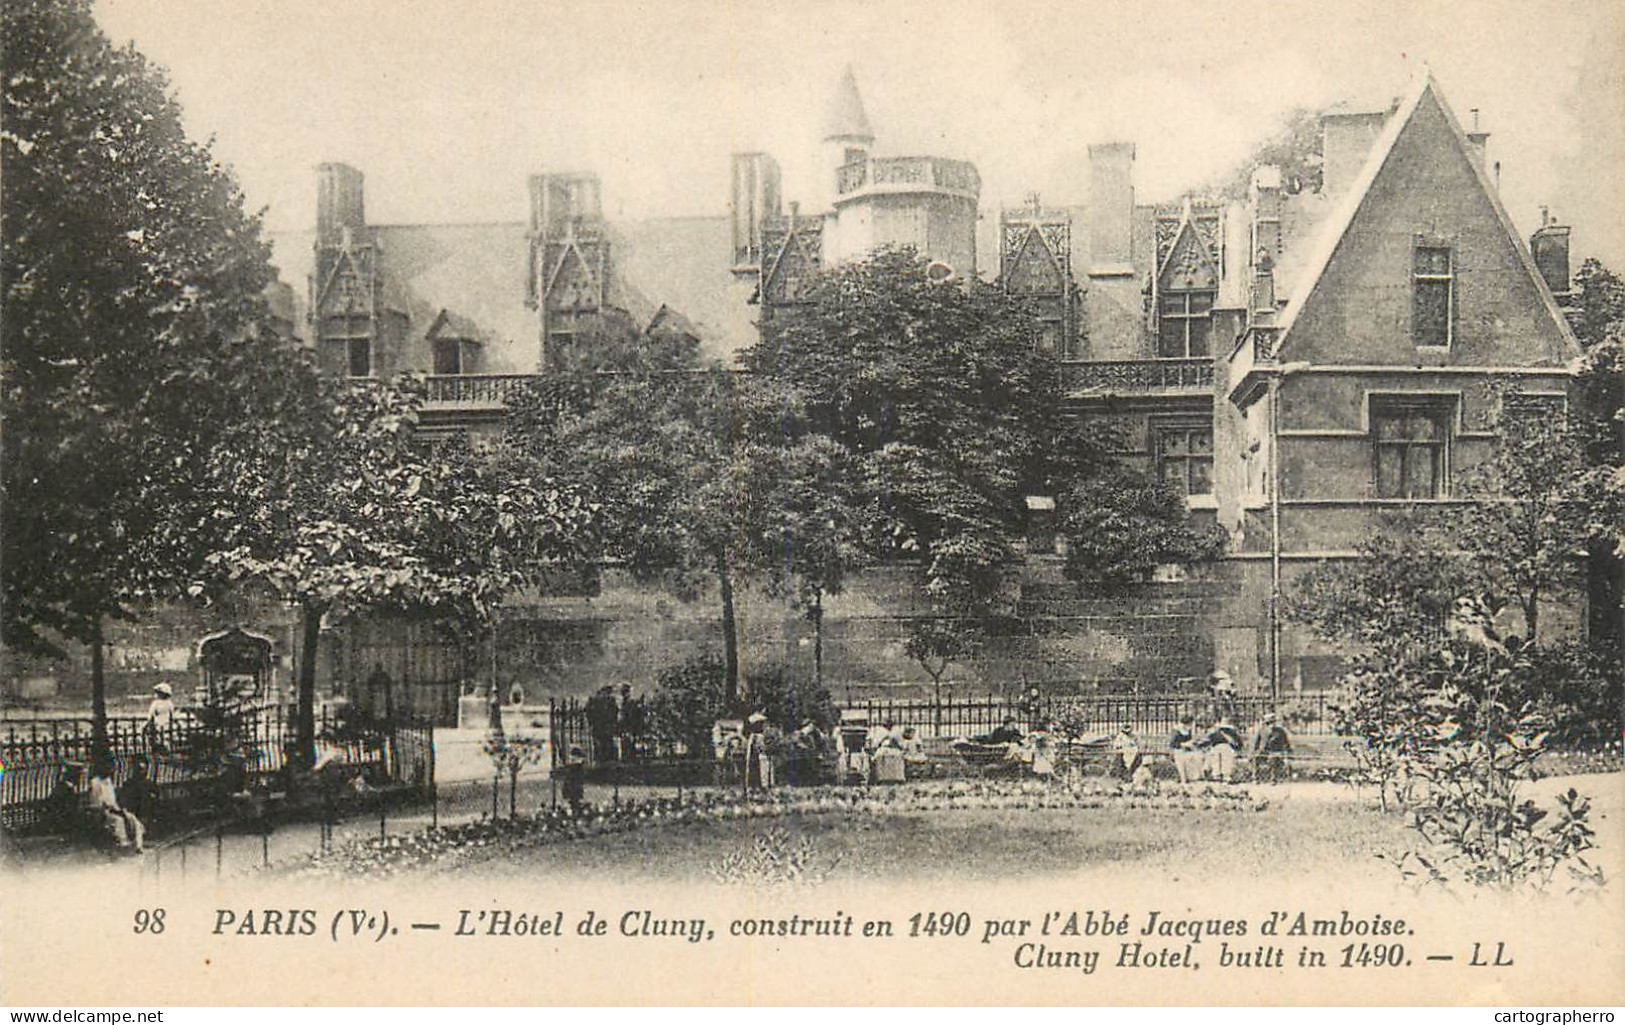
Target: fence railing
{"type": "Point", "coordinates": [188, 754]}
{"type": "Point", "coordinates": [952, 717]}
{"type": "Point", "coordinates": [1077, 715]}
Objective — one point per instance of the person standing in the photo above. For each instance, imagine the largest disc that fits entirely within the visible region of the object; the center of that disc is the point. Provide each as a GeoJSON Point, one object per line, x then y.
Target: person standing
{"type": "Point", "coordinates": [1182, 746]}
{"type": "Point", "coordinates": [758, 761]}
{"type": "Point", "coordinates": [602, 718]}
{"type": "Point", "coordinates": [631, 723]}
{"type": "Point", "coordinates": [1223, 745]}
{"type": "Point", "coordinates": [575, 778]}
{"type": "Point", "coordinates": [160, 717]}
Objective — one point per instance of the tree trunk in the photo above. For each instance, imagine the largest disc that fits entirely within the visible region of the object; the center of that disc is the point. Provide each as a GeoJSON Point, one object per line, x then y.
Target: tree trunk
{"type": "Point", "coordinates": [304, 726]}
{"type": "Point", "coordinates": [818, 639]}
{"type": "Point", "coordinates": [494, 705]}
{"type": "Point", "coordinates": [730, 634]}
{"type": "Point", "coordinates": [101, 752]}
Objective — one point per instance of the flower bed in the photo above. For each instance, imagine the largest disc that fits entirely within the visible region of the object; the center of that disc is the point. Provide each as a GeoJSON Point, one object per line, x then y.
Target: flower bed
{"type": "Point", "coordinates": [449, 844]}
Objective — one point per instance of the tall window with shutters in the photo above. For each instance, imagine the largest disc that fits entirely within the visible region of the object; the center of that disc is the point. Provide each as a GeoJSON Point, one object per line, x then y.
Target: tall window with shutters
{"type": "Point", "coordinates": [1410, 439]}
{"type": "Point", "coordinates": [1432, 296]}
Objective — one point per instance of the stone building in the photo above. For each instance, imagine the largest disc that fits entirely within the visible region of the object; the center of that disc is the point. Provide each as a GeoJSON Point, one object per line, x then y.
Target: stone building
{"type": "Point", "coordinates": [1296, 359]}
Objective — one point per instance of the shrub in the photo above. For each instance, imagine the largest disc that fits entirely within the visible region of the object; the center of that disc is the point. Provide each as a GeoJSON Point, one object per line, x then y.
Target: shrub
{"type": "Point", "coordinates": [1120, 526]}
{"type": "Point", "coordinates": [691, 696]}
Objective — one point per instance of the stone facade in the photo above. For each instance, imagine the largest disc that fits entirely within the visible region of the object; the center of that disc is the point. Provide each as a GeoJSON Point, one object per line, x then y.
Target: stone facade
{"type": "Point", "coordinates": [1305, 356]}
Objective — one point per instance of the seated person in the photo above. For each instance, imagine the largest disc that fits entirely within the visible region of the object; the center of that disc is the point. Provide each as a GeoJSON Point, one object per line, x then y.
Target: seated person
{"type": "Point", "coordinates": [1040, 750]}
{"type": "Point", "coordinates": [1008, 733]}
{"type": "Point", "coordinates": [1126, 755]}
{"type": "Point", "coordinates": [916, 763]}
{"type": "Point", "coordinates": [1223, 743]}
{"type": "Point", "coordinates": [1188, 758]}
{"type": "Point", "coordinates": [139, 794]}
{"type": "Point", "coordinates": [1270, 748]}
{"type": "Point", "coordinates": [888, 756]}
{"type": "Point", "coordinates": [124, 830]}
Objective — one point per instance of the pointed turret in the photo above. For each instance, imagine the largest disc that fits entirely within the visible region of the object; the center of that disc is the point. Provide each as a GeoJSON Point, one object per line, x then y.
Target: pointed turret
{"type": "Point", "coordinates": [845, 118]}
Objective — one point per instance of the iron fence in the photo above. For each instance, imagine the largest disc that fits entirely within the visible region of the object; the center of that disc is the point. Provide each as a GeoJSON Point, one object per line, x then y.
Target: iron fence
{"type": "Point", "coordinates": [1080, 715]}
{"type": "Point", "coordinates": [189, 757]}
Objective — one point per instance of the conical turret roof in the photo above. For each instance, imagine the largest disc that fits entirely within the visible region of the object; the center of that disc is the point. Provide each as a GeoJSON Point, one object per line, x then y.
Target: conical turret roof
{"type": "Point", "coordinates": [845, 117]}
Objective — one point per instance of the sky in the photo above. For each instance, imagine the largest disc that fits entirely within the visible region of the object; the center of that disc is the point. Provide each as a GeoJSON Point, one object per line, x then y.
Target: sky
{"type": "Point", "coordinates": [447, 107]}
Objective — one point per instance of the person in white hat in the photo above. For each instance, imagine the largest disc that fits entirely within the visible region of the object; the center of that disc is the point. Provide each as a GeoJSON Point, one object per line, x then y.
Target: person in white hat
{"type": "Point", "coordinates": [160, 715]}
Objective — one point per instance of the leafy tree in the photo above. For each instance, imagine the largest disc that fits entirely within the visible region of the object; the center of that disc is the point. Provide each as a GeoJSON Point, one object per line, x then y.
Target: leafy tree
{"type": "Point", "coordinates": [1400, 590]}
{"type": "Point", "coordinates": [1119, 526]}
{"type": "Point", "coordinates": [665, 451]}
{"type": "Point", "coordinates": [944, 407]}
{"type": "Point", "coordinates": [1600, 301]}
{"type": "Point", "coordinates": [806, 527]}
{"type": "Point", "coordinates": [1295, 147]}
{"type": "Point", "coordinates": [132, 280]}
{"type": "Point", "coordinates": [1532, 516]}
{"type": "Point", "coordinates": [349, 508]}
{"type": "Point", "coordinates": [1600, 400]}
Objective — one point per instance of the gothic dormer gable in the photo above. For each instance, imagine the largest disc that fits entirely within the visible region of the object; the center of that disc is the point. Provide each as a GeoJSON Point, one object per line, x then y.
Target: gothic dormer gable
{"type": "Point", "coordinates": [1034, 267]}
{"type": "Point", "coordinates": [346, 289]}
{"type": "Point", "coordinates": [796, 259]}
{"type": "Point", "coordinates": [573, 285]}
{"type": "Point", "coordinates": [1189, 266]}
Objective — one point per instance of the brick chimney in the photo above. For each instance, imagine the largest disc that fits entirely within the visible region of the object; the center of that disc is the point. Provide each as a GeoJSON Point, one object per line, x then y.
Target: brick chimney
{"type": "Point", "coordinates": [1550, 247]}
{"type": "Point", "coordinates": [340, 204]}
{"type": "Point", "coordinates": [1346, 141]}
{"type": "Point", "coordinates": [1111, 208]}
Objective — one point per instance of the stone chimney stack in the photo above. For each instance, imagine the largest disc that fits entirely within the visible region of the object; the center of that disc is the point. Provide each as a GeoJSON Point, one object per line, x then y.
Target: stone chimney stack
{"type": "Point", "coordinates": [1111, 208]}
{"type": "Point", "coordinates": [340, 203]}
{"type": "Point", "coordinates": [1477, 141]}
{"type": "Point", "coordinates": [755, 196]}
{"type": "Point", "coordinates": [1266, 203]}
{"type": "Point", "coordinates": [559, 200]}
{"type": "Point", "coordinates": [1346, 141]}
{"type": "Point", "coordinates": [1550, 247]}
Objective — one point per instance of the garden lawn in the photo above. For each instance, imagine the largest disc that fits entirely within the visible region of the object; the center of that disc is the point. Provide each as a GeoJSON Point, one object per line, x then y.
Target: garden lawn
{"type": "Point", "coordinates": [1306, 828]}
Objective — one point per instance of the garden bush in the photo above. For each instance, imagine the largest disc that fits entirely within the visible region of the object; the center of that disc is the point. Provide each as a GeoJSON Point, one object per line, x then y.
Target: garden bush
{"type": "Point", "coordinates": [691, 696]}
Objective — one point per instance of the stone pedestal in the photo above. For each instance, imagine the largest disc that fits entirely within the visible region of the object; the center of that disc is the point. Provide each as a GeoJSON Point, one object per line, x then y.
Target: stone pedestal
{"type": "Point", "coordinates": [473, 712]}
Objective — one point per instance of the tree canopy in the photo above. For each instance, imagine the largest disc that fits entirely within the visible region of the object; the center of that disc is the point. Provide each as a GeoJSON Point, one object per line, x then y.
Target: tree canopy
{"type": "Point", "coordinates": [134, 325]}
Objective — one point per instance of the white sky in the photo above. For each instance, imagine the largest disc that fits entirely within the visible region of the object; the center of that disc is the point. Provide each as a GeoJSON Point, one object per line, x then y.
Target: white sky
{"type": "Point", "coordinates": [448, 106]}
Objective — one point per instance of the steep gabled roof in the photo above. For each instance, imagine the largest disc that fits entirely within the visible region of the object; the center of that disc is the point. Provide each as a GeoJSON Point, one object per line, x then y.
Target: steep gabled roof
{"type": "Point", "coordinates": [1336, 227]}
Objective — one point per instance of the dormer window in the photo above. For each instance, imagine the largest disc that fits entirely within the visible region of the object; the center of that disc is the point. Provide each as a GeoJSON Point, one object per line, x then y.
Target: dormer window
{"type": "Point", "coordinates": [360, 352]}
{"type": "Point", "coordinates": [448, 356]}
{"type": "Point", "coordinates": [1184, 324]}
{"type": "Point", "coordinates": [1432, 296]}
